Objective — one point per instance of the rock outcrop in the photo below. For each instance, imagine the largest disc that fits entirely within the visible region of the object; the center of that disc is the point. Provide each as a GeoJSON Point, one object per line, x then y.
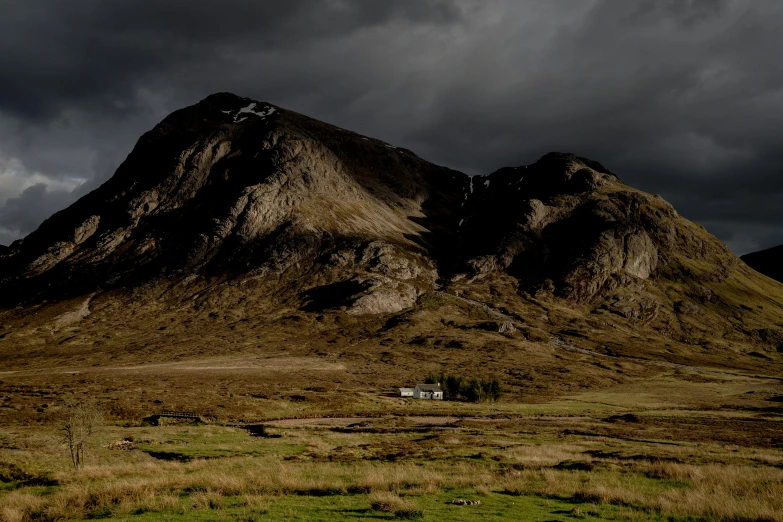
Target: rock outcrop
{"type": "Point", "coordinates": [568, 225]}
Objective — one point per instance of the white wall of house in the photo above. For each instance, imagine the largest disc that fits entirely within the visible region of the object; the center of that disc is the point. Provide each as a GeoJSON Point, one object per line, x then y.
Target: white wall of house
{"type": "Point", "coordinates": [418, 393]}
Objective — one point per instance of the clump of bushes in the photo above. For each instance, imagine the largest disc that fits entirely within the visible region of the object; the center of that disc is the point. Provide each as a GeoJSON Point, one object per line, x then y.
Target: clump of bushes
{"type": "Point", "coordinates": [474, 390]}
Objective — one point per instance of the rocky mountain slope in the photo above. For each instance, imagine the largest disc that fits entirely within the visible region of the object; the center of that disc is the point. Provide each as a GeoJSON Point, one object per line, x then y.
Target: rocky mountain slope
{"type": "Point", "coordinates": [232, 212]}
{"type": "Point", "coordinates": [769, 262]}
{"type": "Point", "coordinates": [234, 188]}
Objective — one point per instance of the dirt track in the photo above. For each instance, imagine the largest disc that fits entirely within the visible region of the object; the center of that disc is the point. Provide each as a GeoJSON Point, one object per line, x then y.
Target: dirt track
{"type": "Point", "coordinates": [343, 421]}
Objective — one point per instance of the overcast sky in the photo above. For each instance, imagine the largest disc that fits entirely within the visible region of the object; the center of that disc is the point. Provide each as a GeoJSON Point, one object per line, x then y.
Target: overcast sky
{"type": "Point", "coordinates": [679, 97]}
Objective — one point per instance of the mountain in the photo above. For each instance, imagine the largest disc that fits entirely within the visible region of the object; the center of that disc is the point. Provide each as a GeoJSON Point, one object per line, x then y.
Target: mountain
{"type": "Point", "coordinates": [769, 262]}
{"type": "Point", "coordinates": [237, 225]}
{"type": "Point", "coordinates": [231, 186]}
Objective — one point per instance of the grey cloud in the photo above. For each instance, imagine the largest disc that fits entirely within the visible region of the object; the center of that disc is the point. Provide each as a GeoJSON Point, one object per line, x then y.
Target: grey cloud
{"type": "Point", "coordinates": [25, 212]}
{"type": "Point", "coordinates": [97, 53]}
{"type": "Point", "coordinates": [682, 98]}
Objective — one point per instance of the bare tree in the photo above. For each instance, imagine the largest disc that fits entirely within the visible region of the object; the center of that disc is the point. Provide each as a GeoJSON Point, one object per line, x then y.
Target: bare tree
{"type": "Point", "coordinates": [80, 422]}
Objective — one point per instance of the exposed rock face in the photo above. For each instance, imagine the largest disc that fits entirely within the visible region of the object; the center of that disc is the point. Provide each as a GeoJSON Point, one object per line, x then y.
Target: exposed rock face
{"type": "Point", "coordinates": [769, 262]}
{"type": "Point", "coordinates": [236, 188]}
{"type": "Point", "coordinates": [231, 191]}
{"type": "Point", "coordinates": [771, 339]}
{"type": "Point", "coordinates": [568, 223]}
{"type": "Point", "coordinates": [686, 307]}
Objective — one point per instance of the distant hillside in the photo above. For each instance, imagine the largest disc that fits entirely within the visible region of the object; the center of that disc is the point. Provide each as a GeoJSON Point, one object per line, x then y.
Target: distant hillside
{"type": "Point", "coordinates": [769, 262]}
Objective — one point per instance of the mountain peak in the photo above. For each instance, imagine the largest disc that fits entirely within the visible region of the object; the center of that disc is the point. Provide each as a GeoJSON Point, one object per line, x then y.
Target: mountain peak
{"type": "Point", "coordinates": [232, 193]}
{"type": "Point", "coordinates": [567, 161]}
{"type": "Point", "coordinates": [224, 97]}
{"type": "Point", "coordinates": [236, 107]}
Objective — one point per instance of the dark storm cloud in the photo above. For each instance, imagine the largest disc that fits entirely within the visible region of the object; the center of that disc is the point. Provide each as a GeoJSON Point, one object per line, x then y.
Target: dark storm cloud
{"type": "Point", "coordinates": [96, 53]}
{"type": "Point", "coordinates": [683, 98]}
{"type": "Point", "coordinates": [85, 78]}
{"type": "Point", "coordinates": [26, 211]}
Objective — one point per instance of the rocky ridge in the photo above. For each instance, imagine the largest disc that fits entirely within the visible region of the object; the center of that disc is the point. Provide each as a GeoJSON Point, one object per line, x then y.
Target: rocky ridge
{"type": "Point", "coordinates": [233, 195]}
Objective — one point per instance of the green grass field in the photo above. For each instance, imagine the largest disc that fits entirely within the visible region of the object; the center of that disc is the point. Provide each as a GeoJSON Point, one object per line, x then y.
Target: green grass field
{"type": "Point", "coordinates": [586, 457]}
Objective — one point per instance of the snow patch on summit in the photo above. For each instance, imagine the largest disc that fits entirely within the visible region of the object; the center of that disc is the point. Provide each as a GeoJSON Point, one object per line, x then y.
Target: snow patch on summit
{"type": "Point", "coordinates": [241, 114]}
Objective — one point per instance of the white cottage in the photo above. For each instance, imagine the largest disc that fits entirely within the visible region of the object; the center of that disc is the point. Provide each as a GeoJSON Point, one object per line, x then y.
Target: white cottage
{"type": "Point", "coordinates": [406, 392]}
{"type": "Point", "coordinates": [428, 391]}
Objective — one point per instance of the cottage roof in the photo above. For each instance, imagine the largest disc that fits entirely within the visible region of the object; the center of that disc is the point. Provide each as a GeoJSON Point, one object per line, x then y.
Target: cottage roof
{"type": "Point", "coordinates": [406, 390]}
{"type": "Point", "coordinates": [428, 387]}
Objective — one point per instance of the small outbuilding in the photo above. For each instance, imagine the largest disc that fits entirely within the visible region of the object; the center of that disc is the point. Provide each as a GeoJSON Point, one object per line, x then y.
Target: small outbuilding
{"type": "Point", "coordinates": [406, 392]}
{"type": "Point", "coordinates": [428, 391]}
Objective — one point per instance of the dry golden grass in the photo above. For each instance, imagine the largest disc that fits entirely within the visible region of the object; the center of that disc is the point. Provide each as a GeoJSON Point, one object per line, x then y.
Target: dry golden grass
{"type": "Point", "coordinates": [256, 503]}
{"type": "Point", "coordinates": [538, 456]}
{"type": "Point", "coordinates": [745, 486]}
{"type": "Point", "coordinates": [390, 502]}
{"type": "Point", "coordinates": [718, 492]}
{"type": "Point", "coordinates": [142, 488]}
{"type": "Point", "coordinates": [18, 506]}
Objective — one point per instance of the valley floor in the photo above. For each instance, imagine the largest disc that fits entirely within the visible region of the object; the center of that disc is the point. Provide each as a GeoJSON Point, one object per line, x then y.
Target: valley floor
{"type": "Point", "coordinates": [595, 424]}
{"type": "Point", "coordinates": [589, 457]}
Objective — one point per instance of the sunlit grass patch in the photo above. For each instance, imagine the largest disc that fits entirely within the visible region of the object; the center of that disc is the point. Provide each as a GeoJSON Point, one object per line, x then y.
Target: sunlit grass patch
{"type": "Point", "coordinates": [527, 469]}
